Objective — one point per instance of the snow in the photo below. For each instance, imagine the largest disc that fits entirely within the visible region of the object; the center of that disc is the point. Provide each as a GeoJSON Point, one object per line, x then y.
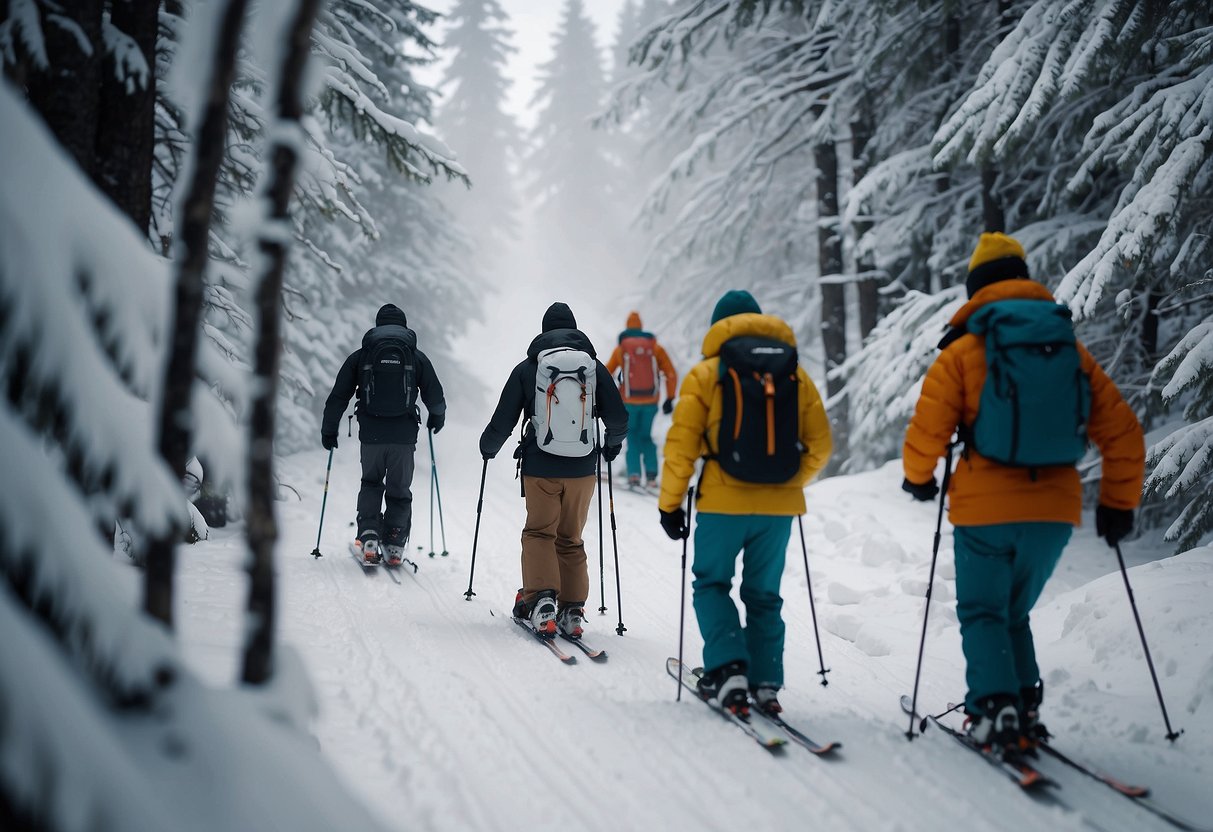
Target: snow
{"type": "Point", "coordinates": [442, 716]}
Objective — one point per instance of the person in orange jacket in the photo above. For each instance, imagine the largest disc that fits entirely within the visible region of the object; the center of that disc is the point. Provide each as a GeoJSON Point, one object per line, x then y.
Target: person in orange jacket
{"type": "Point", "coordinates": [1011, 523]}
{"type": "Point", "coordinates": [639, 363]}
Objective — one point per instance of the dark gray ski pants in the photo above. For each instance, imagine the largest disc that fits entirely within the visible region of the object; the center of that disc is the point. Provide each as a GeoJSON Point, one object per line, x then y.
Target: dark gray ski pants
{"type": "Point", "coordinates": [387, 468]}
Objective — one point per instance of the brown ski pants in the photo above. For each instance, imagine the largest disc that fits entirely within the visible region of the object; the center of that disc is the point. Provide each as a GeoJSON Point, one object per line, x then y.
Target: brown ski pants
{"type": "Point", "coordinates": [553, 555]}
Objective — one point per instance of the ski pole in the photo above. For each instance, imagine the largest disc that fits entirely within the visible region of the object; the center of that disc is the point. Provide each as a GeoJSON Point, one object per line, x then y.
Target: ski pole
{"type": "Point", "coordinates": [812, 606]}
{"type": "Point", "coordinates": [1172, 734]}
{"type": "Point", "coordinates": [484, 472]}
{"type": "Point", "coordinates": [619, 629]}
{"type": "Point", "coordinates": [323, 503]}
{"type": "Point", "coordinates": [601, 546]}
{"type": "Point", "coordinates": [682, 588]}
{"type": "Point", "coordinates": [922, 642]}
{"type": "Point", "coordinates": [435, 489]}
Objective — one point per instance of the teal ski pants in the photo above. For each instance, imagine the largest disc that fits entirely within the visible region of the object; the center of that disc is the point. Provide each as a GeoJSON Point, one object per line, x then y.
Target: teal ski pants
{"type": "Point", "coordinates": [640, 440]}
{"type": "Point", "coordinates": [763, 540]}
{"type": "Point", "coordinates": [1000, 572]}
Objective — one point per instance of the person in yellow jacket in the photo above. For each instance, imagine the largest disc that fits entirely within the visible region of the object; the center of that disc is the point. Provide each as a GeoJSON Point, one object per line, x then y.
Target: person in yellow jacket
{"type": "Point", "coordinates": [1011, 523]}
{"type": "Point", "coordinates": [641, 364]}
{"type": "Point", "coordinates": [736, 515]}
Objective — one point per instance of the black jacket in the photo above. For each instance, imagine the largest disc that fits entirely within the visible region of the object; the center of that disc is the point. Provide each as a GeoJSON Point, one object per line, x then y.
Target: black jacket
{"type": "Point", "coordinates": [376, 430]}
{"type": "Point", "coordinates": [518, 398]}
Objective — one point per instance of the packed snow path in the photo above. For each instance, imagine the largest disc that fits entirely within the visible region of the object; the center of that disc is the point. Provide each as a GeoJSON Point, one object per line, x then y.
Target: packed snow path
{"type": "Point", "coordinates": [445, 717]}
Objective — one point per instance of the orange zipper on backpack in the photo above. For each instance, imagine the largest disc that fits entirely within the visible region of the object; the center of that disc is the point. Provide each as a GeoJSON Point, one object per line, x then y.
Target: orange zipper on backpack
{"type": "Point", "coordinates": [737, 391]}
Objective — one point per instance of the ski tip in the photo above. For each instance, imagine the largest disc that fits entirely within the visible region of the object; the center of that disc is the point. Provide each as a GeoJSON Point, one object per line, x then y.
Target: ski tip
{"type": "Point", "coordinates": [827, 749]}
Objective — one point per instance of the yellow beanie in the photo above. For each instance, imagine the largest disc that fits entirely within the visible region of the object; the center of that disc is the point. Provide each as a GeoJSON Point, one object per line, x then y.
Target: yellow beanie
{"type": "Point", "coordinates": [997, 257]}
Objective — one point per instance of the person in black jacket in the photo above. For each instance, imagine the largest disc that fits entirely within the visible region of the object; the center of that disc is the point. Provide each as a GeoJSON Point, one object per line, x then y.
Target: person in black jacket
{"type": "Point", "coordinates": [388, 373]}
{"type": "Point", "coordinates": [558, 489]}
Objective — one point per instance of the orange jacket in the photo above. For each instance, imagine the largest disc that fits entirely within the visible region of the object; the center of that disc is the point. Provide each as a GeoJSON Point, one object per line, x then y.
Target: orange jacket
{"type": "Point", "coordinates": [664, 366]}
{"type": "Point", "coordinates": [984, 493]}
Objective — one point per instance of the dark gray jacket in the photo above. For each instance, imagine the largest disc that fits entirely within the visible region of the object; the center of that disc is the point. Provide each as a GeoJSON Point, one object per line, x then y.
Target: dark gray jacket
{"type": "Point", "coordinates": [376, 430]}
{"type": "Point", "coordinates": [518, 399]}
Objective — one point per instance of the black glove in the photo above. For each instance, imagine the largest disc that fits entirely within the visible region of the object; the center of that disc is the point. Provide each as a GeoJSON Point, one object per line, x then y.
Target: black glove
{"type": "Point", "coordinates": [924, 492]}
{"type": "Point", "coordinates": [487, 451]}
{"type": "Point", "coordinates": [328, 440]}
{"type": "Point", "coordinates": [675, 524]}
{"type": "Point", "coordinates": [668, 407]}
{"type": "Point", "coordinates": [435, 421]}
{"type": "Point", "coordinates": [609, 452]}
{"type": "Point", "coordinates": [1113, 524]}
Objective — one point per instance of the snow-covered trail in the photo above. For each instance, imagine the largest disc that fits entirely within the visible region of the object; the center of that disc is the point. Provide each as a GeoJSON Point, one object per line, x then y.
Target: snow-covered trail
{"type": "Point", "coordinates": [446, 717]}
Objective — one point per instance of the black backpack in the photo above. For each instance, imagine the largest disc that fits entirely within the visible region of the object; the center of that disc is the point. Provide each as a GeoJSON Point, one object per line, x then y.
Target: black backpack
{"type": "Point", "coordinates": [759, 438]}
{"type": "Point", "coordinates": [387, 372]}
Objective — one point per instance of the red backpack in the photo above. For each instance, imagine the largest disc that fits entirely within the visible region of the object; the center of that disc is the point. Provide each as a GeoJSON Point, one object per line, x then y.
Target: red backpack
{"type": "Point", "coordinates": [639, 366]}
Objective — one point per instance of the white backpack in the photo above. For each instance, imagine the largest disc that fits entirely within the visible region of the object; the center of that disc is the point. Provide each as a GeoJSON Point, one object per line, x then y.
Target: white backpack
{"type": "Point", "coordinates": [563, 415]}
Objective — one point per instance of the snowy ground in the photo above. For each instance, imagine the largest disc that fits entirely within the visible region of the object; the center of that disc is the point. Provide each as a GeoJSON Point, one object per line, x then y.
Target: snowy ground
{"type": "Point", "coordinates": [445, 717]}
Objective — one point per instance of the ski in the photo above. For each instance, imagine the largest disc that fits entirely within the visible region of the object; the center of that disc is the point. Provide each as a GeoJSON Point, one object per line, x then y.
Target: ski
{"type": "Point", "coordinates": [356, 554]}
{"type": "Point", "coordinates": [798, 736]}
{"type": "Point", "coordinates": [1020, 772]}
{"type": "Point", "coordinates": [770, 741]}
{"type": "Point", "coordinates": [1138, 794]}
{"type": "Point", "coordinates": [549, 643]}
{"type": "Point", "coordinates": [595, 655]}
{"type": "Point", "coordinates": [1124, 788]}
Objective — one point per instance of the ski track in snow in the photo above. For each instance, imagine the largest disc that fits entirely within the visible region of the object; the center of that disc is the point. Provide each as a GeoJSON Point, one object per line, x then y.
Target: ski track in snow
{"type": "Point", "coordinates": [444, 717]}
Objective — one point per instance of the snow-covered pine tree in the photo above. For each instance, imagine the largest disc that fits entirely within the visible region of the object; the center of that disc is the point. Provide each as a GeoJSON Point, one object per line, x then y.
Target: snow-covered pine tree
{"type": "Point", "coordinates": [474, 118]}
{"type": "Point", "coordinates": [1112, 99]}
{"type": "Point", "coordinates": [735, 204]}
{"type": "Point", "coordinates": [572, 172]}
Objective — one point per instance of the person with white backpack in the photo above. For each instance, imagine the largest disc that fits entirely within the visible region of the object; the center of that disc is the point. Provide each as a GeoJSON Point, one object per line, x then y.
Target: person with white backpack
{"type": "Point", "coordinates": [559, 390]}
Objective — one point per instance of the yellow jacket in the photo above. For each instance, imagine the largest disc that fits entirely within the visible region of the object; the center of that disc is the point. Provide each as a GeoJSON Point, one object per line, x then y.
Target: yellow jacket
{"type": "Point", "coordinates": [697, 423]}
{"type": "Point", "coordinates": [983, 492]}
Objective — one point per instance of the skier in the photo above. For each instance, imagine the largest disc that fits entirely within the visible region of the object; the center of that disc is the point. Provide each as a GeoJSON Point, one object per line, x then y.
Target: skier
{"type": "Point", "coordinates": [639, 361]}
{"type": "Point", "coordinates": [1013, 516]}
{"type": "Point", "coordinates": [388, 373]}
{"type": "Point", "coordinates": [752, 485]}
{"type": "Point", "coordinates": [559, 388]}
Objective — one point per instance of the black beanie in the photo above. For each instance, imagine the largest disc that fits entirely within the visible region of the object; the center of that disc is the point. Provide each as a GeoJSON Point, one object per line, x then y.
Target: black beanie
{"type": "Point", "coordinates": [558, 316]}
{"type": "Point", "coordinates": [390, 313]}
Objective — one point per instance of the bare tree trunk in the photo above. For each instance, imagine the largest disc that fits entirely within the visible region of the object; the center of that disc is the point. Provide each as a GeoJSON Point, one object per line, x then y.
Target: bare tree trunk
{"type": "Point", "coordinates": [833, 294]}
{"type": "Point", "coordinates": [126, 132]}
{"type": "Point", "coordinates": [262, 527]}
{"type": "Point", "coordinates": [993, 218]}
{"type": "Point", "coordinates": [176, 427]}
{"type": "Point", "coordinates": [67, 92]}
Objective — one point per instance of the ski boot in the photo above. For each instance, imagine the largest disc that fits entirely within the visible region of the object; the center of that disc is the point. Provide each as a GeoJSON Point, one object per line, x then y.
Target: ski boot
{"type": "Point", "coordinates": [1032, 731]}
{"type": "Point", "coordinates": [368, 541]}
{"type": "Point", "coordinates": [651, 486]}
{"type": "Point", "coordinates": [633, 482]}
{"type": "Point", "coordinates": [728, 687]}
{"type": "Point", "coordinates": [570, 620]}
{"type": "Point", "coordinates": [543, 613]}
{"type": "Point", "coordinates": [766, 699]}
{"type": "Point", "coordinates": [996, 727]}
{"type": "Point", "coordinates": [395, 545]}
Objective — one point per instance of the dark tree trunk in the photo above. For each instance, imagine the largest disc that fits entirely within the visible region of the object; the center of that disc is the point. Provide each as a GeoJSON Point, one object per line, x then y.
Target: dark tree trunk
{"type": "Point", "coordinates": [992, 215]}
{"type": "Point", "coordinates": [66, 93]}
{"type": "Point", "coordinates": [867, 285]}
{"type": "Point", "coordinates": [262, 527]}
{"type": "Point", "coordinates": [176, 433]}
{"type": "Point", "coordinates": [126, 128]}
{"type": "Point", "coordinates": [833, 294]}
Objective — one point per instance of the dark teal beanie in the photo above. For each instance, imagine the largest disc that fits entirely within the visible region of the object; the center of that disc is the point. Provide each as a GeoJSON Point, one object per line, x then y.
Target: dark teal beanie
{"type": "Point", "coordinates": [734, 302]}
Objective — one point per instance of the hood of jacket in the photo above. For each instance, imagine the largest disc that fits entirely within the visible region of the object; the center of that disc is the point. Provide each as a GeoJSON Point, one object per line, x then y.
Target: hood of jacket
{"type": "Point", "coordinates": [747, 323]}
{"type": "Point", "coordinates": [1018, 289]}
{"type": "Point", "coordinates": [390, 331]}
{"type": "Point", "coordinates": [574, 338]}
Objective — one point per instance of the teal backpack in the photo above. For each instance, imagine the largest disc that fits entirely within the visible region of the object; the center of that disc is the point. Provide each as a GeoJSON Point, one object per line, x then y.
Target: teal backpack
{"type": "Point", "coordinates": [1036, 399]}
